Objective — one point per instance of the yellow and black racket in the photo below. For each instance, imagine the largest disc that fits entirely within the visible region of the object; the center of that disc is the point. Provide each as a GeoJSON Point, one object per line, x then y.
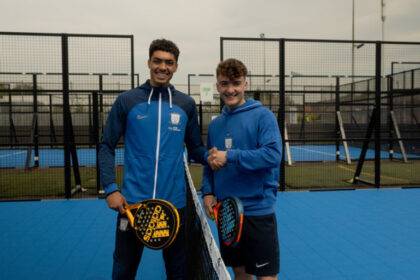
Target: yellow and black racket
{"type": "Point", "coordinates": [229, 215]}
{"type": "Point", "coordinates": [155, 221]}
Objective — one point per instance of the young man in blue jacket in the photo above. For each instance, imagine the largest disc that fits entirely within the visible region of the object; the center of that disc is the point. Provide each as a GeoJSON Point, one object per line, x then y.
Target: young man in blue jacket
{"type": "Point", "coordinates": [245, 138]}
{"type": "Point", "coordinates": [155, 120]}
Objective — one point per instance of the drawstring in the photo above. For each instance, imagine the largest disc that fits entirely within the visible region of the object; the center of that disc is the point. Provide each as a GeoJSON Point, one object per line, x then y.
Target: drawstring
{"type": "Point", "coordinates": [157, 145]}
{"type": "Point", "coordinates": [150, 96]}
{"type": "Point", "coordinates": [170, 97]}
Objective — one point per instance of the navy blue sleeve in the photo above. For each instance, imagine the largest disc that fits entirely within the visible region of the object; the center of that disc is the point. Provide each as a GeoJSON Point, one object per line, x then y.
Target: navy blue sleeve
{"type": "Point", "coordinates": [114, 129]}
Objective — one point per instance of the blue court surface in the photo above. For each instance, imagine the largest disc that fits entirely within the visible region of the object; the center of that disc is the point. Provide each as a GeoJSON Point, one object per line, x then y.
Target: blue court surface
{"type": "Point", "coordinates": [87, 157]}
{"type": "Point", "coordinates": [364, 234]}
{"type": "Point", "coordinates": [328, 153]}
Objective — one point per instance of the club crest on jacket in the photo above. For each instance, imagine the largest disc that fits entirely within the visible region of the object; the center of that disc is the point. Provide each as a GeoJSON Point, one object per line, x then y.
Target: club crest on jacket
{"type": "Point", "coordinates": [175, 118]}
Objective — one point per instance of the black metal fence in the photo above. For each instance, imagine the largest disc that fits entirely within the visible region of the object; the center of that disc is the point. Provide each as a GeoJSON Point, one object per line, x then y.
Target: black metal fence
{"type": "Point", "coordinates": [54, 97]}
{"type": "Point", "coordinates": [348, 110]}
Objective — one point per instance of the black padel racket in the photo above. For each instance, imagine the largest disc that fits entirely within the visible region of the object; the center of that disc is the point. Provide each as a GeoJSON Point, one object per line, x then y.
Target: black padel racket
{"type": "Point", "coordinates": [229, 215]}
{"type": "Point", "coordinates": [155, 221]}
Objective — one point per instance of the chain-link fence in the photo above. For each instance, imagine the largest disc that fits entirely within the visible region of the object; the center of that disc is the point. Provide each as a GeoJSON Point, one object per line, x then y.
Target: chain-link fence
{"type": "Point", "coordinates": [348, 110]}
{"type": "Point", "coordinates": [55, 92]}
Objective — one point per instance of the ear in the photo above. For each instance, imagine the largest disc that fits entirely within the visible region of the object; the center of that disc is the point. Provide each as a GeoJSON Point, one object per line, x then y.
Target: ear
{"type": "Point", "coordinates": [246, 84]}
{"type": "Point", "coordinates": [148, 64]}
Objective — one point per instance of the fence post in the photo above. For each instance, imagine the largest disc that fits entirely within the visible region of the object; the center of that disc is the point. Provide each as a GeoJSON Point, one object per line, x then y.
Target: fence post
{"type": "Point", "coordinates": [66, 115]}
{"type": "Point", "coordinates": [12, 129]}
{"type": "Point", "coordinates": [95, 136]}
{"type": "Point", "coordinates": [35, 116]}
{"type": "Point", "coordinates": [200, 113]}
{"type": "Point", "coordinates": [281, 117]}
{"type": "Point", "coordinates": [337, 126]}
{"type": "Point", "coordinates": [52, 129]}
{"type": "Point", "coordinates": [378, 91]}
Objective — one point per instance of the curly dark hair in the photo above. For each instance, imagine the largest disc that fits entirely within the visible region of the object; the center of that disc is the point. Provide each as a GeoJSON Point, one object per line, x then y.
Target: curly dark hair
{"type": "Point", "coordinates": [231, 68]}
{"type": "Point", "coordinates": [164, 45]}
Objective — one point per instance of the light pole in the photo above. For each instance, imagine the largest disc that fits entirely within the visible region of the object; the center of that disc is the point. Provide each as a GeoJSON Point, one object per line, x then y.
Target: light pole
{"type": "Point", "coordinates": [383, 18]}
{"type": "Point", "coordinates": [352, 46]}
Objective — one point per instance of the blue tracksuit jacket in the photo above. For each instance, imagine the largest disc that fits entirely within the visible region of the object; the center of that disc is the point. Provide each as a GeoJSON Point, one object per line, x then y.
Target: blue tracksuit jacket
{"type": "Point", "coordinates": [155, 123]}
{"type": "Point", "coordinates": [250, 135]}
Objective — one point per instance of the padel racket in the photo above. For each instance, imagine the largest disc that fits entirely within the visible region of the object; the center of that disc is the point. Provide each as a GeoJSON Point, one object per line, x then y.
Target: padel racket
{"type": "Point", "coordinates": [229, 215]}
{"type": "Point", "coordinates": [155, 221]}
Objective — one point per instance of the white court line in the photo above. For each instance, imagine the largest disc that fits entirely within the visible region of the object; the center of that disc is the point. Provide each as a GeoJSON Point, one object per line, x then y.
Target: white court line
{"type": "Point", "coordinates": [12, 154]}
{"type": "Point", "coordinates": [314, 151]}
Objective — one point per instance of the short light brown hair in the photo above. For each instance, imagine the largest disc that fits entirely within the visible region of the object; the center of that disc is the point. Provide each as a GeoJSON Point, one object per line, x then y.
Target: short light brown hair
{"type": "Point", "coordinates": [231, 68]}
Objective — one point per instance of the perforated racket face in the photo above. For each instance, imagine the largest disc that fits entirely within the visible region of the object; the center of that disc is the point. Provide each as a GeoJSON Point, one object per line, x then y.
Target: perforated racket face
{"type": "Point", "coordinates": [229, 221]}
{"type": "Point", "coordinates": [156, 223]}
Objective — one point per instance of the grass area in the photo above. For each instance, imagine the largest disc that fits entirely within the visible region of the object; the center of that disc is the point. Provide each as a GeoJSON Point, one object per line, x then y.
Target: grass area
{"type": "Point", "coordinates": [17, 183]}
{"type": "Point", "coordinates": [196, 171]}
{"type": "Point", "coordinates": [42, 182]}
{"type": "Point", "coordinates": [323, 175]}
{"type": "Point", "coordinates": [338, 175]}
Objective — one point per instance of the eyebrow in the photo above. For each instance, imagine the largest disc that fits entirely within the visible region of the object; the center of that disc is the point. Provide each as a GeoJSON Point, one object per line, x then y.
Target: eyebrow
{"type": "Point", "coordinates": [156, 59]}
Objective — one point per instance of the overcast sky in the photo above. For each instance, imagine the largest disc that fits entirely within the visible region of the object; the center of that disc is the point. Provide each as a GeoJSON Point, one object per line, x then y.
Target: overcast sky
{"type": "Point", "coordinates": [196, 26]}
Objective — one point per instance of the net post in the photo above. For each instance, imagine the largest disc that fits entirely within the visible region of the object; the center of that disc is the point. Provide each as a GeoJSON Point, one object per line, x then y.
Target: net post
{"type": "Point", "coordinates": [286, 141]}
{"type": "Point", "coordinates": [397, 132]}
{"type": "Point", "coordinates": [343, 137]}
{"type": "Point", "coordinates": [390, 108]}
{"type": "Point", "coordinates": [29, 149]}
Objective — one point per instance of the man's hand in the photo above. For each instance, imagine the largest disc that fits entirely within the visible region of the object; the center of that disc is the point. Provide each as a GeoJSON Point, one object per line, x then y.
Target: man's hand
{"type": "Point", "coordinates": [216, 159]}
{"type": "Point", "coordinates": [209, 201]}
{"type": "Point", "coordinates": [116, 201]}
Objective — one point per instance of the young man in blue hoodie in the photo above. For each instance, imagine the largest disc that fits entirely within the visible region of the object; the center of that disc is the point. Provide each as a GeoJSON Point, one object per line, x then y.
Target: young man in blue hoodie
{"type": "Point", "coordinates": [246, 140]}
{"type": "Point", "coordinates": [155, 120]}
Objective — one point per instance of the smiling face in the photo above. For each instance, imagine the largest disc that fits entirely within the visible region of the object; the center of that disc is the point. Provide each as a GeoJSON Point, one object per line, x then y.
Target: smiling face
{"type": "Point", "coordinates": [162, 67]}
{"type": "Point", "coordinates": [232, 90]}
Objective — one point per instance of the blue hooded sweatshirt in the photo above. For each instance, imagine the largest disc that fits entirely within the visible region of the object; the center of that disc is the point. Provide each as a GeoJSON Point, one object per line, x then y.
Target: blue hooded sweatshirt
{"type": "Point", "coordinates": [251, 137]}
{"type": "Point", "coordinates": [155, 122]}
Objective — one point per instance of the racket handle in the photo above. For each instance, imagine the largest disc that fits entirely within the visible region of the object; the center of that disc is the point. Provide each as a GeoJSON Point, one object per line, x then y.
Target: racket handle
{"type": "Point", "coordinates": [130, 216]}
{"type": "Point", "coordinates": [215, 212]}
